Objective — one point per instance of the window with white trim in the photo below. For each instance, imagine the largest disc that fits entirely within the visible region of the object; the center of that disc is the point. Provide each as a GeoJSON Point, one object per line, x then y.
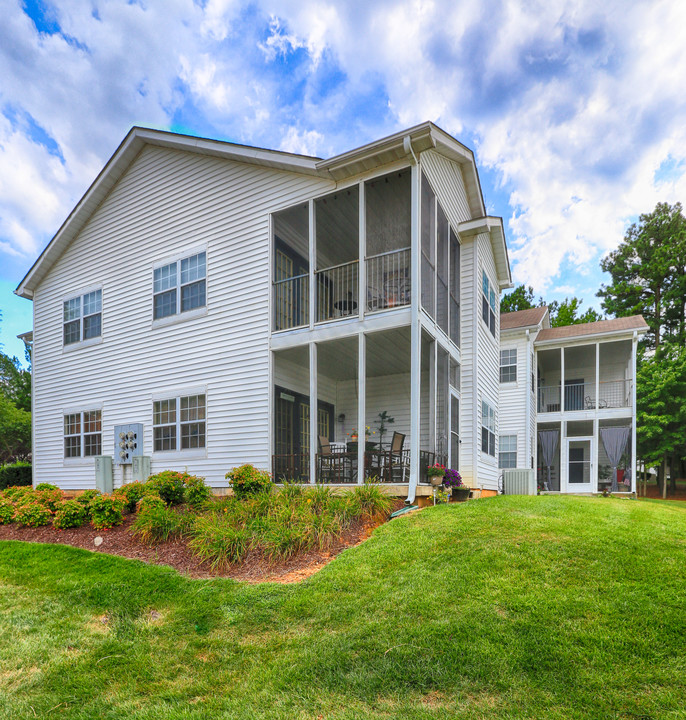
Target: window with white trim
{"type": "Point", "coordinates": [488, 303]}
{"type": "Point", "coordinates": [179, 286]}
{"type": "Point", "coordinates": [508, 366]}
{"type": "Point", "coordinates": [82, 317]}
{"type": "Point", "coordinates": [83, 434]}
{"type": "Point", "coordinates": [179, 423]}
{"type": "Point", "coordinates": [487, 429]}
{"type": "Point", "coordinates": [507, 451]}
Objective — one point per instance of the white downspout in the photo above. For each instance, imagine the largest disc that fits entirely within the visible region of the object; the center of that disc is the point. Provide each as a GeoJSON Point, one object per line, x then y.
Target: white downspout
{"type": "Point", "coordinates": [527, 398]}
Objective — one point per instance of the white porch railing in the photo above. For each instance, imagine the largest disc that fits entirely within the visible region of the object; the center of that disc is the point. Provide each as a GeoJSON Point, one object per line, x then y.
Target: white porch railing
{"type": "Point", "coordinates": [388, 280]}
{"type": "Point", "coordinates": [337, 291]}
{"type": "Point", "coordinates": [582, 396]}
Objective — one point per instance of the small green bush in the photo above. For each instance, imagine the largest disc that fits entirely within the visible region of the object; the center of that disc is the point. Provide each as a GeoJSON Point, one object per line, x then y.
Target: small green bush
{"type": "Point", "coordinates": [218, 542]}
{"type": "Point", "coordinates": [320, 497]}
{"type": "Point", "coordinates": [46, 486]}
{"type": "Point", "coordinates": [169, 486]}
{"type": "Point", "coordinates": [85, 498]}
{"type": "Point", "coordinates": [17, 493]}
{"type": "Point", "coordinates": [196, 493]}
{"type": "Point", "coordinates": [132, 492]}
{"type": "Point", "coordinates": [106, 511]}
{"type": "Point", "coordinates": [6, 512]}
{"type": "Point", "coordinates": [247, 480]}
{"type": "Point", "coordinates": [70, 514]}
{"type": "Point", "coordinates": [15, 474]}
{"type": "Point", "coordinates": [158, 523]}
{"type": "Point", "coordinates": [373, 502]}
{"type": "Point", "coordinates": [33, 514]}
{"type": "Point", "coordinates": [49, 496]}
{"type": "Point", "coordinates": [149, 501]}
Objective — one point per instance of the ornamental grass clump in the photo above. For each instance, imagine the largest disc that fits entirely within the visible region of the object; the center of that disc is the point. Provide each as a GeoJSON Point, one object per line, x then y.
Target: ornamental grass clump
{"type": "Point", "coordinates": [106, 511]}
{"type": "Point", "coordinates": [247, 480]}
{"type": "Point", "coordinates": [70, 514]}
{"type": "Point", "coordinates": [218, 542]}
{"type": "Point", "coordinates": [373, 502]}
{"type": "Point", "coordinates": [33, 514]}
{"type": "Point", "coordinates": [6, 512]}
{"type": "Point", "coordinates": [159, 523]}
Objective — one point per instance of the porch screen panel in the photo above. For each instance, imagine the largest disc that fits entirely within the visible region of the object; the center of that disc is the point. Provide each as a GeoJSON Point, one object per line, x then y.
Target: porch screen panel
{"type": "Point", "coordinates": [454, 288]}
{"type": "Point", "coordinates": [290, 250]}
{"type": "Point", "coordinates": [428, 250]}
{"type": "Point", "coordinates": [442, 405]}
{"type": "Point", "coordinates": [454, 433]}
{"type": "Point", "coordinates": [442, 269]}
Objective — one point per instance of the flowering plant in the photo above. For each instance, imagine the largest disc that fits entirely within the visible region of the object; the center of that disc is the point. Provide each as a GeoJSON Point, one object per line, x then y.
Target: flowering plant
{"type": "Point", "coordinates": [436, 470]}
{"type": "Point", "coordinates": [453, 479]}
{"type": "Point", "coordinates": [367, 432]}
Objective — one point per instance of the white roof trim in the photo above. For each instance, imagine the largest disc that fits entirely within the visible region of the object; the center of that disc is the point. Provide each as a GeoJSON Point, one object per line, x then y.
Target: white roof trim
{"type": "Point", "coordinates": [494, 227]}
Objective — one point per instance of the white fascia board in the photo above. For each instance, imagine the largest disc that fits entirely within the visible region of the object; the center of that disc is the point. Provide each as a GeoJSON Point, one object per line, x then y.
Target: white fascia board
{"type": "Point", "coordinates": [595, 337]}
{"type": "Point", "coordinates": [494, 227]}
{"type": "Point", "coordinates": [26, 337]}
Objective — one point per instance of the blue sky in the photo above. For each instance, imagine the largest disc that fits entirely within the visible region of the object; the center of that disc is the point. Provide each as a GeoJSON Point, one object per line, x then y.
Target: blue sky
{"type": "Point", "coordinates": [577, 114]}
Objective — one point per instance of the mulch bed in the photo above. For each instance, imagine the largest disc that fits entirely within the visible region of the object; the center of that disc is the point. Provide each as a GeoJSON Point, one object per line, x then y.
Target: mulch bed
{"type": "Point", "coordinates": [119, 541]}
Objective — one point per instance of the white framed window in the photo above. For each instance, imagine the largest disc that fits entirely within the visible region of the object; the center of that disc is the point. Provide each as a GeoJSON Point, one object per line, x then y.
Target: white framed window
{"type": "Point", "coordinates": [82, 317]}
{"type": "Point", "coordinates": [507, 451]}
{"type": "Point", "coordinates": [508, 366]}
{"type": "Point", "coordinates": [488, 305]}
{"type": "Point", "coordinates": [487, 429]}
{"type": "Point", "coordinates": [179, 423]}
{"type": "Point", "coordinates": [83, 434]}
{"type": "Point", "coordinates": [179, 286]}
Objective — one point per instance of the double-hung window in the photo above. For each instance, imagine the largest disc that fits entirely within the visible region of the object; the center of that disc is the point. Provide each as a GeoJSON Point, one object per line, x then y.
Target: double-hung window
{"type": "Point", "coordinates": [487, 429]}
{"type": "Point", "coordinates": [507, 451]}
{"type": "Point", "coordinates": [179, 286]}
{"type": "Point", "coordinates": [508, 366]}
{"type": "Point", "coordinates": [179, 423]}
{"type": "Point", "coordinates": [488, 303]}
{"type": "Point", "coordinates": [82, 317]}
{"type": "Point", "coordinates": [83, 434]}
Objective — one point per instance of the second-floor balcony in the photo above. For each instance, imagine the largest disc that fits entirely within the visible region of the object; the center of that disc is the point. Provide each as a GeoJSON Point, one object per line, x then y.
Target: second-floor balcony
{"type": "Point", "coordinates": [585, 396]}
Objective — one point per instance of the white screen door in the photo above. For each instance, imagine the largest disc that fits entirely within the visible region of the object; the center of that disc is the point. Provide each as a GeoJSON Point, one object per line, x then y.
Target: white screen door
{"type": "Point", "coordinates": [580, 465]}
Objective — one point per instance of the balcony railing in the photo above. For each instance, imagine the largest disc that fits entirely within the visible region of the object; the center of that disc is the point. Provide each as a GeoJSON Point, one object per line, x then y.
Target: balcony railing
{"type": "Point", "coordinates": [582, 396]}
{"type": "Point", "coordinates": [388, 280]}
{"type": "Point", "coordinates": [291, 302]}
{"type": "Point", "coordinates": [337, 291]}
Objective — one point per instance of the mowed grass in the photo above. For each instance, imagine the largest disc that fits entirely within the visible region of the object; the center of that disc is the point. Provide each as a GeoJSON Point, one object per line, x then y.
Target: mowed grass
{"type": "Point", "coordinates": [512, 607]}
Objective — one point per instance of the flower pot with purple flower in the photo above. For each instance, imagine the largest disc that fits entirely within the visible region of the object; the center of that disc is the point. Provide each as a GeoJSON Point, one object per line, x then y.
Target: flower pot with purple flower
{"type": "Point", "coordinates": [436, 473]}
{"type": "Point", "coordinates": [453, 481]}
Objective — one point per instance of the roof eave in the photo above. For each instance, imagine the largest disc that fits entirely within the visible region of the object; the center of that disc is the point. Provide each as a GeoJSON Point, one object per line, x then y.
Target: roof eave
{"type": "Point", "coordinates": [494, 227]}
{"type": "Point", "coordinates": [627, 332]}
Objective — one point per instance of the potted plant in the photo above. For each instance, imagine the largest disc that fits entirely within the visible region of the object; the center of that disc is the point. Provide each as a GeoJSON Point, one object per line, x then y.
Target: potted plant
{"type": "Point", "coordinates": [436, 473]}
{"type": "Point", "coordinates": [453, 482]}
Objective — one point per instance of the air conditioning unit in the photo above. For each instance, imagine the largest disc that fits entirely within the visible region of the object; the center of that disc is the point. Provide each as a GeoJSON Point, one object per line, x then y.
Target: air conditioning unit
{"type": "Point", "coordinates": [140, 468]}
{"type": "Point", "coordinates": [103, 473]}
{"type": "Point", "coordinates": [519, 482]}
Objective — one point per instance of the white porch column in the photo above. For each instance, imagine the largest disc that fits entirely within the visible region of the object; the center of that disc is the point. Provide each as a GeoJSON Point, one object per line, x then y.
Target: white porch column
{"type": "Point", "coordinates": [314, 439]}
{"type": "Point", "coordinates": [362, 253]}
{"type": "Point", "coordinates": [361, 405]}
{"type": "Point", "coordinates": [415, 337]}
{"type": "Point", "coordinates": [597, 375]}
{"type": "Point", "coordinates": [313, 264]}
{"type": "Point", "coordinates": [594, 457]}
{"type": "Point", "coordinates": [562, 379]}
{"type": "Point", "coordinates": [634, 349]}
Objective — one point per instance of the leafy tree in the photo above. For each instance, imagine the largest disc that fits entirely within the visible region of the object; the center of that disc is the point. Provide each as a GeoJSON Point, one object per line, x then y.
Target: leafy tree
{"type": "Point", "coordinates": [647, 271]}
{"type": "Point", "coordinates": [521, 298]}
{"type": "Point", "coordinates": [15, 432]}
{"type": "Point", "coordinates": [565, 313]}
{"type": "Point", "coordinates": [15, 382]}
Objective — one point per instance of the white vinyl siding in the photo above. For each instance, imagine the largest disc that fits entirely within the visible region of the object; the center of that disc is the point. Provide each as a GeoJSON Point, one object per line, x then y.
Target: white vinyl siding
{"type": "Point", "coordinates": [167, 204]}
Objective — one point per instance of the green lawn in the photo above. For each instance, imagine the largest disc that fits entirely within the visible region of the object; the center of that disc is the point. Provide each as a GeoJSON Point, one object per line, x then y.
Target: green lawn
{"type": "Point", "coordinates": [540, 607]}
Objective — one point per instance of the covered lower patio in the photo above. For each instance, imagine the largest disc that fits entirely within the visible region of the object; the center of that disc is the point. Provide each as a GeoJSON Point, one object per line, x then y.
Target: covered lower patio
{"type": "Point", "coordinates": [362, 385]}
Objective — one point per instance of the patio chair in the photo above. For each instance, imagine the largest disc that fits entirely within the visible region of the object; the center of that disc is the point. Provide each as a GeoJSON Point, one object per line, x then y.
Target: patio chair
{"type": "Point", "coordinates": [334, 467]}
{"type": "Point", "coordinates": [396, 462]}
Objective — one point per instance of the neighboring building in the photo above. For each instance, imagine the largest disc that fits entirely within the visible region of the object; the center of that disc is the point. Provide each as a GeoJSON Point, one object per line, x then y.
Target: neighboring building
{"type": "Point", "coordinates": [234, 305]}
{"type": "Point", "coordinates": [568, 401]}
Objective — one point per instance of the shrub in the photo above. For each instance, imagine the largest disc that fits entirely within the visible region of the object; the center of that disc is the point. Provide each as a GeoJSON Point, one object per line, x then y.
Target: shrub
{"type": "Point", "coordinates": [158, 523]}
{"type": "Point", "coordinates": [247, 480]}
{"type": "Point", "coordinates": [46, 486]}
{"type": "Point", "coordinates": [132, 492]}
{"type": "Point", "coordinates": [217, 541]}
{"type": "Point", "coordinates": [106, 511]}
{"type": "Point", "coordinates": [169, 486]}
{"type": "Point", "coordinates": [16, 474]}
{"type": "Point", "coordinates": [85, 499]}
{"type": "Point", "coordinates": [372, 500]}
{"type": "Point", "coordinates": [70, 514]}
{"type": "Point", "coordinates": [49, 496]}
{"type": "Point", "coordinates": [149, 501]}
{"type": "Point", "coordinates": [6, 512]}
{"type": "Point", "coordinates": [33, 514]}
{"type": "Point", "coordinates": [17, 493]}
{"type": "Point", "coordinates": [196, 493]}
